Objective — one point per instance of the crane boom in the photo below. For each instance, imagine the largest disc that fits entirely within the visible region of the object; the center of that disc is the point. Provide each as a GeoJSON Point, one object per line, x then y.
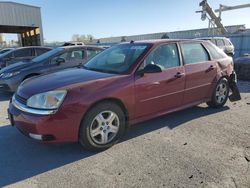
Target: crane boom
{"type": "Point", "coordinates": [217, 20]}
{"type": "Point", "coordinates": [227, 8]}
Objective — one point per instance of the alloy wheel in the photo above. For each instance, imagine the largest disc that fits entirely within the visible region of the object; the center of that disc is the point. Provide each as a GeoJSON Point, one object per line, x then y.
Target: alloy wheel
{"type": "Point", "coordinates": [221, 93]}
{"type": "Point", "coordinates": [104, 127]}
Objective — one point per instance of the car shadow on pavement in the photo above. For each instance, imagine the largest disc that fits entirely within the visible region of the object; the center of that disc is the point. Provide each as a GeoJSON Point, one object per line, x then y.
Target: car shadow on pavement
{"type": "Point", "coordinates": [21, 158]}
{"type": "Point", "coordinates": [171, 120]}
{"type": "Point", "coordinates": [5, 96]}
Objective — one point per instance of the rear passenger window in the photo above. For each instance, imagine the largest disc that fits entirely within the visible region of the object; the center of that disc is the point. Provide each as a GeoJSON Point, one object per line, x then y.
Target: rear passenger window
{"type": "Point", "coordinates": [194, 53]}
{"type": "Point", "coordinates": [165, 56]}
{"type": "Point", "coordinates": [40, 51]}
{"type": "Point", "coordinates": [220, 42]}
{"type": "Point", "coordinates": [92, 52]}
{"type": "Point", "coordinates": [23, 53]}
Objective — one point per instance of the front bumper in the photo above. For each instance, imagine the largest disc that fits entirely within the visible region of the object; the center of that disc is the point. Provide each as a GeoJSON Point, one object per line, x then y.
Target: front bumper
{"type": "Point", "coordinates": [63, 126]}
{"type": "Point", "coordinates": [9, 85]}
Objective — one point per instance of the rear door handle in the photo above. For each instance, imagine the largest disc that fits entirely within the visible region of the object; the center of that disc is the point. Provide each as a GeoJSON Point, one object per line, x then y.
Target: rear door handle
{"type": "Point", "coordinates": [179, 75]}
{"type": "Point", "coordinates": [212, 67]}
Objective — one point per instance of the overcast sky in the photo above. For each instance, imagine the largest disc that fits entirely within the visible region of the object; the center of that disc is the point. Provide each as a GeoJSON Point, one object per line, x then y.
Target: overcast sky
{"type": "Point", "coordinates": [104, 18]}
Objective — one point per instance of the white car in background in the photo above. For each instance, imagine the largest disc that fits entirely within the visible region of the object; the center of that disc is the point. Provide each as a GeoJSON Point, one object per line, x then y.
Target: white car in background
{"type": "Point", "coordinates": [223, 43]}
{"type": "Point", "coordinates": [73, 44]}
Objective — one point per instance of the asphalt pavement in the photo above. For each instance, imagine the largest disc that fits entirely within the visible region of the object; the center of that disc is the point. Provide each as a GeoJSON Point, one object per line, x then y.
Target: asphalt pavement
{"type": "Point", "coordinates": [196, 147]}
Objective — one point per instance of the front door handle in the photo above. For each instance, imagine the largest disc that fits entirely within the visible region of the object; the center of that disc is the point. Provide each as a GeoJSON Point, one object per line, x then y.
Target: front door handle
{"type": "Point", "coordinates": [179, 75]}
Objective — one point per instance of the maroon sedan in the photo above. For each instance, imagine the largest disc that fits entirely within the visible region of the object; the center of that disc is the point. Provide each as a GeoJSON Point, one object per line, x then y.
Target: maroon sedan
{"type": "Point", "coordinates": [123, 85]}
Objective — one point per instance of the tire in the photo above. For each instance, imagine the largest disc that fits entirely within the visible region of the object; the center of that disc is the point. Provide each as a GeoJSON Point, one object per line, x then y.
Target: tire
{"type": "Point", "coordinates": [220, 94]}
{"type": "Point", "coordinates": [99, 129]}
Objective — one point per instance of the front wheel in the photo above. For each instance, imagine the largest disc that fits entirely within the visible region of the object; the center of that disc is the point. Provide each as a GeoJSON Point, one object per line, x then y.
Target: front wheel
{"type": "Point", "coordinates": [220, 94]}
{"type": "Point", "coordinates": [102, 126]}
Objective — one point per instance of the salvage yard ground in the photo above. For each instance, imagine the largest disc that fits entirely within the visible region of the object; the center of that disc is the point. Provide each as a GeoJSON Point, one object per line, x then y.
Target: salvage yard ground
{"type": "Point", "coordinates": [196, 147]}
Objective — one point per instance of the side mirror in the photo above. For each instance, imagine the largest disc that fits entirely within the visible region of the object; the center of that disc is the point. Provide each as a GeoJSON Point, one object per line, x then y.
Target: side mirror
{"type": "Point", "coordinates": [152, 68]}
{"type": "Point", "coordinates": [60, 60]}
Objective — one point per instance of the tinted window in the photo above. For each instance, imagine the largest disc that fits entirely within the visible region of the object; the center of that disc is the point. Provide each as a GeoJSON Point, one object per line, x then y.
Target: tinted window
{"type": "Point", "coordinates": [92, 52]}
{"type": "Point", "coordinates": [194, 53]}
{"type": "Point", "coordinates": [215, 52]}
{"type": "Point", "coordinates": [66, 56]}
{"type": "Point", "coordinates": [117, 59]}
{"type": "Point", "coordinates": [48, 54]}
{"type": "Point", "coordinates": [77, 55]}
{"type": "Point", "coordinates": [220, 42]}
{"type": "Point", "coordinates": [23, 53]}
{"type": "Point", "coordinates": [40, 51]}
{"type": "Point", "coordinates": [70, 56]}
{"type": "Point", "coordinates": [165, 56]}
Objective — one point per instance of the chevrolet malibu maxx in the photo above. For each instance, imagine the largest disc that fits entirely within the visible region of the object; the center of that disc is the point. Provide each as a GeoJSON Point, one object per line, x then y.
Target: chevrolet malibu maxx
{"type": "Point", "coordinates": [123, 85]}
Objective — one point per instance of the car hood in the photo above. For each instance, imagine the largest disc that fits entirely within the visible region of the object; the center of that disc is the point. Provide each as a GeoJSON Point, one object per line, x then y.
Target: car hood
{"type": "Point", "coordinates": [16, 66]}
{"type": "Point", "coordinates": [57, 80]}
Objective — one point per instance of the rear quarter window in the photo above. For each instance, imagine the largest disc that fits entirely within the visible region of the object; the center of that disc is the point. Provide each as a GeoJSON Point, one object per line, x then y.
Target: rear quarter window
{"type": "Point", "coordinates": [214, 51]}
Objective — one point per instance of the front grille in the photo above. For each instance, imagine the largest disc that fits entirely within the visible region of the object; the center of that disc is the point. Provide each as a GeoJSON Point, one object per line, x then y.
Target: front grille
{"type": "Point", "coordinates": [21, 99]}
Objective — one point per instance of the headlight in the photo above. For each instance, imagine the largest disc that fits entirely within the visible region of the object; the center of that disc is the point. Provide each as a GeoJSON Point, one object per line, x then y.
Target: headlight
{"type": "Point", "coordinates": [48, 100]}
{"type": "Point", "coordinates": [9, 74]}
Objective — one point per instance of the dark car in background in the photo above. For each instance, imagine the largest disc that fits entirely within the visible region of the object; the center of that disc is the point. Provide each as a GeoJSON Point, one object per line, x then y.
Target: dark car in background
{"type": "Point", "coordinates": [54, 60]}
{"type": "Point", "coordinates": [123, 85]}
{"type": "Point", "coordinates": [21, 54]}
{"type": "Point", "coordinates": [223, 43]}
{"type": "Point", "coordinates": [242, 66]}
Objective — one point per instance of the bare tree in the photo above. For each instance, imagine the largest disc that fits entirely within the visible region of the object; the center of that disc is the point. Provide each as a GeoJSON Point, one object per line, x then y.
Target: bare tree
{"type": "Point", "coordinates": [82, 38]}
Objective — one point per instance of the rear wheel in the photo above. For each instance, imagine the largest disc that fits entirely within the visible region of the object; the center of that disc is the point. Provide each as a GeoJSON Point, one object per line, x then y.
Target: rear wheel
{"type": "Point", "coordinates": [102, 126]}
{"type": "Point", "coordinates": [220, 94]}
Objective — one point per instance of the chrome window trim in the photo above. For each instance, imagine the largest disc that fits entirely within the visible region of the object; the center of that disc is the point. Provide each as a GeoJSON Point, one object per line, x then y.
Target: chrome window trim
{"type": "Point", "coordinates": [24, 108]}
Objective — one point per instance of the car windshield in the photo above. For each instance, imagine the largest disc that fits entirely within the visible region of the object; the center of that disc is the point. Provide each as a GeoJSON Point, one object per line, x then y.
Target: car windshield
{"type": "Point", "coordinates": [6, 53]}
{"type": "Point", "coordinates": [117, 59]}
{"type": "Point", "coordinates": [47, 55]}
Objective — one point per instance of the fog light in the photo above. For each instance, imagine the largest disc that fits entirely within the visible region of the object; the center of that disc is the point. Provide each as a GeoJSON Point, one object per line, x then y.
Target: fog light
{"type": "Point", "coordinates": [36, 136]}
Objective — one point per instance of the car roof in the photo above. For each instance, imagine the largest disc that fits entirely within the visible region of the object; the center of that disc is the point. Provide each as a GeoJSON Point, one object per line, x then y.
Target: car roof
{"type": "Point", "coordinates": [27, 47]}
{"type": "Point", "coordinates": [207, 38]}
{"type": "Point", "coordinates": [160, 41]}
{"type": "Point", "coordinates": [79, 47]}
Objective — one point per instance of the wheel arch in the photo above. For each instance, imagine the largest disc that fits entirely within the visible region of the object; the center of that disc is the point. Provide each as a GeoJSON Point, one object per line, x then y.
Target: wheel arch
{"type": "Point", "coordinates": [30, 75]}
{"type": "Point", "coordinates": [116, 101]}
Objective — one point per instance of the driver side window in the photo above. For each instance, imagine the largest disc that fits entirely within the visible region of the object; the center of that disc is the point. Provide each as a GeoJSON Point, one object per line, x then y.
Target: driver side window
{"type": "Point", "coordinates": [65, 56]}
{"type": "Point", "coordinates": [165, 56]}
